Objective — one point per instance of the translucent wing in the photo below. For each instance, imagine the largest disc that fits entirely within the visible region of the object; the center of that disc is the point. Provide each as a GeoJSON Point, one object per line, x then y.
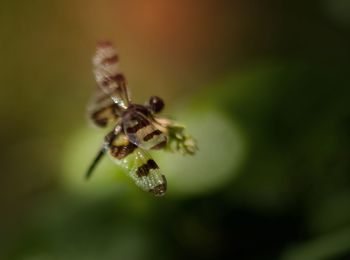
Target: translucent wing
{"type": "Point", "coordinates": [108, 75]}
{"type": "Point", "coordinates": [142, 132]}
{"type": "Point", "coordinates": [139, 165]}
{"type": "Point", "coordinates": [102, 110]}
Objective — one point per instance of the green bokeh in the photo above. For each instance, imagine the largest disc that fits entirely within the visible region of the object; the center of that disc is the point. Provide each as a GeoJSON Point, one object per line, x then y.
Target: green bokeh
{"type": "Point", "coordinates": [263, 87]}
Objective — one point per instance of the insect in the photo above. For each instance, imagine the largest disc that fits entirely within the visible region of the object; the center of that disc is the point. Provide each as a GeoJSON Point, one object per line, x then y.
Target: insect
{"type": "Point", "coordinates": [136, 128]}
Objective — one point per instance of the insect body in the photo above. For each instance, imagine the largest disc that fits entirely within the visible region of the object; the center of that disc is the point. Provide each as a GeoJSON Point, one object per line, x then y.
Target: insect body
{"type": "Point", "coordinates": [136, 128]}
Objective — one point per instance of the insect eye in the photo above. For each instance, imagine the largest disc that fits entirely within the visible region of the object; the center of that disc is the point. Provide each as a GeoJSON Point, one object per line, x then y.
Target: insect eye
{"type": "Point", "coordinates": [156, 104]}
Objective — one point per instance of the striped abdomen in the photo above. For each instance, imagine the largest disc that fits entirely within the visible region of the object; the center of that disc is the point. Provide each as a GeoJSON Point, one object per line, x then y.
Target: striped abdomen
{"type": "Point", "coordinates": [139, 165]}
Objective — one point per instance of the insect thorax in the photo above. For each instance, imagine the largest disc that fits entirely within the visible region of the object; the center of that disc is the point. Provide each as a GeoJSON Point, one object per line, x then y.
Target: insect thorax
{"type": "Point", "coordinates": [136, 108]}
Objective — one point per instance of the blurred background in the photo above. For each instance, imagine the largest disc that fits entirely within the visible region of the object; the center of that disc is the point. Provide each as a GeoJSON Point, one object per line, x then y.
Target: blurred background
{"type": "Point", "coordinates": [262, 85]}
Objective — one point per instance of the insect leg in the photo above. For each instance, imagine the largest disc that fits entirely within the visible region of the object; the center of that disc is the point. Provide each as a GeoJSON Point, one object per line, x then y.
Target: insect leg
{"type": "Point", "coordinates": [108, 140]}
{"type": "Point", "coordinates": [98, 157]}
